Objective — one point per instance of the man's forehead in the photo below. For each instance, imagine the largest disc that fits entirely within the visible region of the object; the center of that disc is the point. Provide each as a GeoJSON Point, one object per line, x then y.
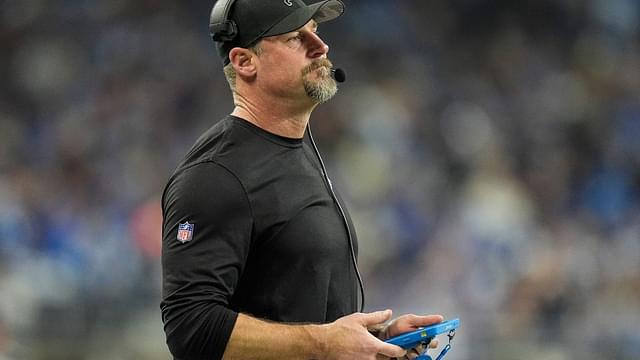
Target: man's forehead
{"type": "Point", "coordinates": [310, 24]}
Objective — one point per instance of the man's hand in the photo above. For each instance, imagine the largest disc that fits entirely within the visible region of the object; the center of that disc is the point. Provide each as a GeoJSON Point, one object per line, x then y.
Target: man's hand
{"type": "Point", "coordinates": [406, 323]}
{"type": "Point", "coordinates": [410, 322]}
{"type": "Point", "coordinates": [348, 338]}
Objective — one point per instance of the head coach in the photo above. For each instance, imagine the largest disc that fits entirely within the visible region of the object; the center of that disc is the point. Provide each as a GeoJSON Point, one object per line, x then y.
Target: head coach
{"type": "Point", "coordinates": [258, 251]}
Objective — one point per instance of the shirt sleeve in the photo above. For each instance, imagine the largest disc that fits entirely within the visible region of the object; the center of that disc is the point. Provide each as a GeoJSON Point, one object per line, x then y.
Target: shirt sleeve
{"type": "Point", "coordinates": [201, 266]}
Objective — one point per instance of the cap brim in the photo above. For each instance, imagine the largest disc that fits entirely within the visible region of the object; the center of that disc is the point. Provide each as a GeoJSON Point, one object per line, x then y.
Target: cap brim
{"type": "Point", "coordinates": [321, 12]}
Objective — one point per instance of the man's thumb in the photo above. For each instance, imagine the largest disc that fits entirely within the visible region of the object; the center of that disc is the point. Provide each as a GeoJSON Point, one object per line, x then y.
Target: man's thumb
{"type": "Point", "coordinates": [377, 317]}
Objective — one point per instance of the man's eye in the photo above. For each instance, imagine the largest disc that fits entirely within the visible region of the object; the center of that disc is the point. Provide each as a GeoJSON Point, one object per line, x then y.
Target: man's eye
{"type": "Point", "coordinates": [294, 38]}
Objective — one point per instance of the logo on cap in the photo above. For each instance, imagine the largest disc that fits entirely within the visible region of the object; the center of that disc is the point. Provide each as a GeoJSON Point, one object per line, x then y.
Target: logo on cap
{"type": "Point", "coordinates": [288, 2]}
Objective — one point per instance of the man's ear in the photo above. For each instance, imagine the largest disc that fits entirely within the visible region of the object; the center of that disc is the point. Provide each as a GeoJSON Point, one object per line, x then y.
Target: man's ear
{"type": "Point", "coordinates": [243, 61]}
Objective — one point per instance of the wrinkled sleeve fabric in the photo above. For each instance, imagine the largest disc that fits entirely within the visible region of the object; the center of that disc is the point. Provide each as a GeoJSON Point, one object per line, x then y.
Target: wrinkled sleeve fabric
{"type": "Point", "coordinates": [200, 275]}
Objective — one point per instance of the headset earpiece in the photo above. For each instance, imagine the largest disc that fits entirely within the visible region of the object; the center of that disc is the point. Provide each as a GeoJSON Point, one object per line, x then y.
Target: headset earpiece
{"type": "Point", "coordinates": [220, 27]}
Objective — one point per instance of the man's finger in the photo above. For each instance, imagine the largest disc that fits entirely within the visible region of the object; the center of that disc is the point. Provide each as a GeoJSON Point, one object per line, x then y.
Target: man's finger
{"type": "Point", "coordinates": [411, 322]}
{"type": "Point", "coordinates": [424, 320]}
{"type": "Point", "coordinates": [391, 351]}
{"type": "Point", "coordinates": [377, 317]}
{"type": "Point", "coordinates": [412, 354]}
{"type": "Point", "coordinates": [433, 344]}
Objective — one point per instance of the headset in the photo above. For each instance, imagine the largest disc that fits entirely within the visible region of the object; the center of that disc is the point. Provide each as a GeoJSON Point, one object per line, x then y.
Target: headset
{"type": "Point", "coordinates": [221, 28]}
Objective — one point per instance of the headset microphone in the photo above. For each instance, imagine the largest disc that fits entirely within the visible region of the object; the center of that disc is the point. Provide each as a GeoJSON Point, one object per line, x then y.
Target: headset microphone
{"type": "Point", "coordinates": [339, 75]}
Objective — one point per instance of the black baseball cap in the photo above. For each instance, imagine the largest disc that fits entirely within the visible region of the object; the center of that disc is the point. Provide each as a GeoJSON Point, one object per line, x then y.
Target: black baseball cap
{"type": "Point", "coordinates": [242, 23]}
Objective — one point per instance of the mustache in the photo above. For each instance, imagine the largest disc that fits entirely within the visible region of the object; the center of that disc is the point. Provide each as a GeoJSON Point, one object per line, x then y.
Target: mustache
{"type": "Point", "coordinates": [316, 65]}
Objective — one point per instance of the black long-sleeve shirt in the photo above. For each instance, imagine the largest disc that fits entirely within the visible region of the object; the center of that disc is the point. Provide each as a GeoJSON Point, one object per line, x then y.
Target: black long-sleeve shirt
{"type": "Point", "coordinates": [261, 235]}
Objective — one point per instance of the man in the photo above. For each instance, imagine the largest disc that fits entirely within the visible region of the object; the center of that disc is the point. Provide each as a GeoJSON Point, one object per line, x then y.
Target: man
{"type": "Point", "coordinates": [257, 257]}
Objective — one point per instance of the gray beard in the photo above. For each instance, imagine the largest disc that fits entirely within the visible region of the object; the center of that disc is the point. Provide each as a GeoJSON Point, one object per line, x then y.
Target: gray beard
{"type": "Point", "coordinates": [320, 91]}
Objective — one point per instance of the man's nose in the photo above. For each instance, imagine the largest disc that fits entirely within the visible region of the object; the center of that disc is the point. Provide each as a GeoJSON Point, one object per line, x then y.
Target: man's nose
{"type": "Point", "coordinates": [317, 47]}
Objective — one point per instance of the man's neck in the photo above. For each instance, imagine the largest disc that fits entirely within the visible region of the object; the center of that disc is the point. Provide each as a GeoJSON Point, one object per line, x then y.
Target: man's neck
{"type": "Point", "coordinates": [275, 117]}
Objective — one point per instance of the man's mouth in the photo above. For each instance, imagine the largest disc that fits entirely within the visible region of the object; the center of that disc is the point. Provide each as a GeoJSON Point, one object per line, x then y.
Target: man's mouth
{"type": "Point", "coordinates": [323, 65]}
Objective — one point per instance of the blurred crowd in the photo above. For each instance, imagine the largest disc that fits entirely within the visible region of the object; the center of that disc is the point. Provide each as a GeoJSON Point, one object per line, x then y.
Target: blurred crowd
{"type": "Point", "coordinates": [489, 152]}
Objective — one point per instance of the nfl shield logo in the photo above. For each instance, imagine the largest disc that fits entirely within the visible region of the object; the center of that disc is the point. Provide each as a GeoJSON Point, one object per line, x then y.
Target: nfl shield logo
{"type": "Point", "coordinates": [185, 232]}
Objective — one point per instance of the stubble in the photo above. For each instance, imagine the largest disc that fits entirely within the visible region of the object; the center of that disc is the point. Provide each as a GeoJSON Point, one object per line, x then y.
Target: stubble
{"type": "Point", "coordinates": [323, 87]}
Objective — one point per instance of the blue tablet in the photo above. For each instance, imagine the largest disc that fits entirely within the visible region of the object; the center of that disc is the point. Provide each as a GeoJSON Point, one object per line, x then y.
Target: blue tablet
{"type": "Point", "coordinates": [412, 339]}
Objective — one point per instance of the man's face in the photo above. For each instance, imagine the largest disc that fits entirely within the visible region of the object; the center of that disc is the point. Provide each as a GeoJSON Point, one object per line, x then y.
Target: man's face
{"type": "Point", "coordinates": [295, 65]}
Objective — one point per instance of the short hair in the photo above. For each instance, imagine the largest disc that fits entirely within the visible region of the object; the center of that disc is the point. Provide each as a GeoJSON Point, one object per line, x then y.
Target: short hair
{"type": "Point", "coordinates": [230, 71]}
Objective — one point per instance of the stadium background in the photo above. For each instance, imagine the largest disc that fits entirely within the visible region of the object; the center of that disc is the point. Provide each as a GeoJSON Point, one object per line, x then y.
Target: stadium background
{"type": "Point", "coordinates": [489, 151]}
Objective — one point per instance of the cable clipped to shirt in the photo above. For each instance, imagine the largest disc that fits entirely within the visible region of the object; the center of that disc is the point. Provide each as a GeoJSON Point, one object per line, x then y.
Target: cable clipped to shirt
{"type": "Point", "coordinates": [342, 213]}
